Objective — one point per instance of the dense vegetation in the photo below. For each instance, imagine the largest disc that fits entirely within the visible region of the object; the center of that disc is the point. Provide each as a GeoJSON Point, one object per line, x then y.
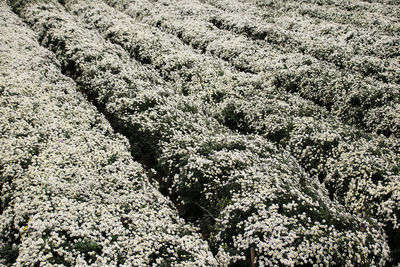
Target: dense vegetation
{"type": "Point", "coordinates": [199, 133]}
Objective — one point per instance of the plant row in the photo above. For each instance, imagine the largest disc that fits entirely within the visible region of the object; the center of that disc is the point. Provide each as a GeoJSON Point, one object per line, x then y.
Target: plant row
{"type": "Point", "coordinates": [251, 192]}
{"type": "Point", "coordinates": [374, 16]}
{"type": "Point", "coordinates": [387, 3]}
{"type": "Point", "coordinates": [353, 99]}
{"type": "Point", "coordinates": [321, 145]}
{"type": "Point", "coordinates": [70, 192]}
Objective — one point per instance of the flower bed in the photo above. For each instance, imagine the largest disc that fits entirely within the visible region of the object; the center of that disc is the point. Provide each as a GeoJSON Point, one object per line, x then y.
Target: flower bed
{"type": "Point", "coordinates": [241, 182]}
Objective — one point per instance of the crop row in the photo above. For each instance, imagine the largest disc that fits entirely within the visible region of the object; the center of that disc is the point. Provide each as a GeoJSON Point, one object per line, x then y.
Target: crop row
{"type": "Point", "coordinates": [70, 192]}
{"type": "Point", "coordinates": [252, 192]}
{"type": "Point", "coordinates": [385, 2]}
{"type": "Point", "coordinates": [280, 118]}
{"type": "Point", "coordinates": [364, 102]}
{"type": "Point", "coordinates": [351, 9]}
{"type": "Point", "coordinates": [374, 16]}
{"type": "Point", "coordinates": [362, 3]}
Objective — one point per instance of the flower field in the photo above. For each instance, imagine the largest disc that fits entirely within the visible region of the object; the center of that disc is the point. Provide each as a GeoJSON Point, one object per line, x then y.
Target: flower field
{"type": "Point", "coordinates": [199, 133]}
